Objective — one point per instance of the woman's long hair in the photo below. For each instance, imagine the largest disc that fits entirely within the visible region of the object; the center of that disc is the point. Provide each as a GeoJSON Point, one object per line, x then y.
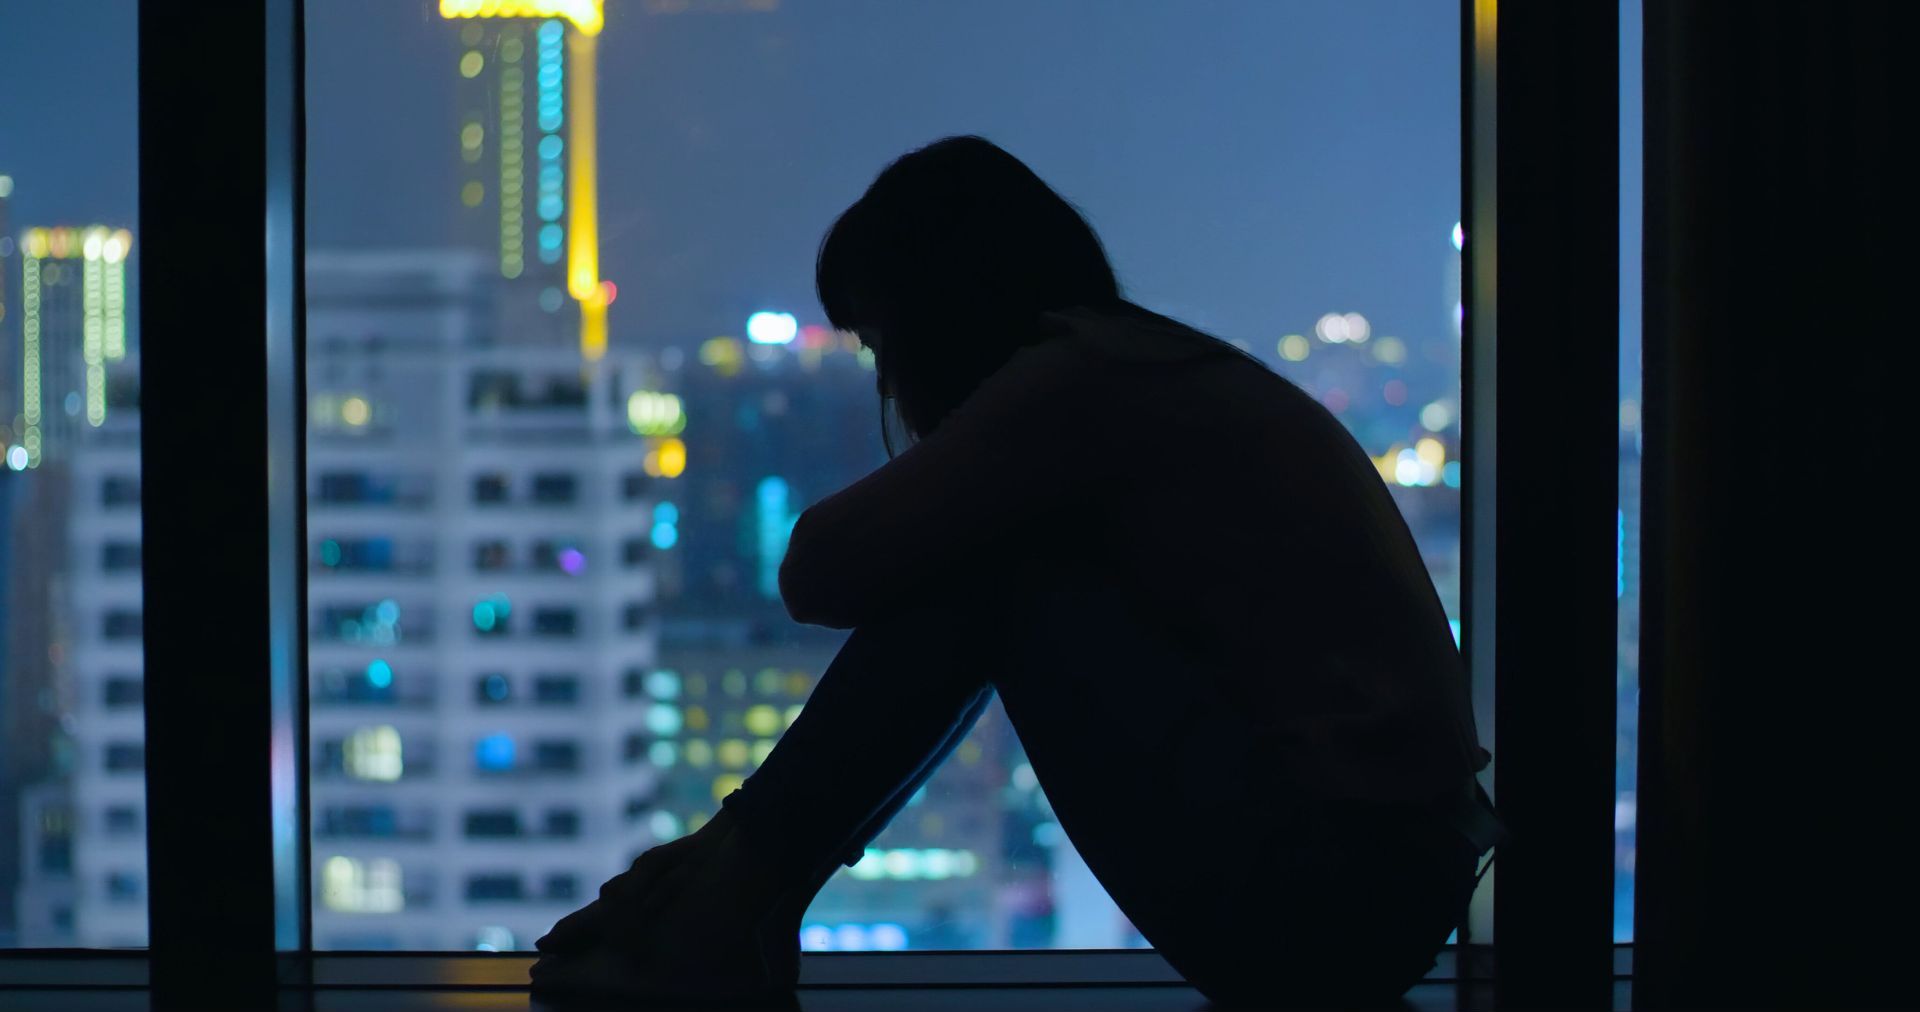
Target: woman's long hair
{"type": "Point", "coordinates": [944, 267]}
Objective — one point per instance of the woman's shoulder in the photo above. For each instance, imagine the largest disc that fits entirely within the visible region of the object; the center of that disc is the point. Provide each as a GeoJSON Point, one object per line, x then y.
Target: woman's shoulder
{"type": "Point", "coordinates": [1129, 333]}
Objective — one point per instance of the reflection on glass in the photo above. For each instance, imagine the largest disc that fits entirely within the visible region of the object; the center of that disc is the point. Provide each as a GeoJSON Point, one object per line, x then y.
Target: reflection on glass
{"type": "Point", "coordinates": [569, 391]}
{"type": "Point", "coordinates": [72, 753]}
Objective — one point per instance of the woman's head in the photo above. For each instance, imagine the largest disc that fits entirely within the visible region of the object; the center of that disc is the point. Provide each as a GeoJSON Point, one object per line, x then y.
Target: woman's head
{"type": "Point", "coordinates": [945, 266]}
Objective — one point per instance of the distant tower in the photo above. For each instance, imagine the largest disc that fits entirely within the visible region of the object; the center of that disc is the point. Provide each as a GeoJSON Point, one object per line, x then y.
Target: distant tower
{"type": "Point", "coordinates": [527, 142]}
{"type": "Point", "coordinates": [73, 323]}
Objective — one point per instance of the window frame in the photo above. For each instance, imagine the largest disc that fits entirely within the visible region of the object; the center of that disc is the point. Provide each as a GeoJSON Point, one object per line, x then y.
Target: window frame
{"type": "Point", "coordinates": [240, 829]}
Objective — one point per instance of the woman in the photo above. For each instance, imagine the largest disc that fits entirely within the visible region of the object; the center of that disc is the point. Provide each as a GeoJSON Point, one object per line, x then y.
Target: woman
{"type": "Point", "coordinates": [1207, 621]}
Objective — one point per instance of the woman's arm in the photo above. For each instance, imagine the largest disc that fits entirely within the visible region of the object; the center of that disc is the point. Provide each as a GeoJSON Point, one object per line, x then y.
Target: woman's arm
{"type": "Point", "coordinates": [945, 512]}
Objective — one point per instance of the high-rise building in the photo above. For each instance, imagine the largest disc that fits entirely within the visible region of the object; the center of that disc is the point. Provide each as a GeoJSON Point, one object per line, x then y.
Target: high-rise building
{"type": "Point", "coordinates": [481, 594]}
{"type": "Point", "coordinates": [73, 613]}
{"type": "Point", "coordinates": [528, 183]}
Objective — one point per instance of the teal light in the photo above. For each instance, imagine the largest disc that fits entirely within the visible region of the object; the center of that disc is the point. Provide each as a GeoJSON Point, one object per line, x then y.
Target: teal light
{"type": "Point", "coordinates": [379, 674]}
{"type": "Point", "coordinates": [483, 617]}
{"type": "Point", "coordinates": [329, 553]}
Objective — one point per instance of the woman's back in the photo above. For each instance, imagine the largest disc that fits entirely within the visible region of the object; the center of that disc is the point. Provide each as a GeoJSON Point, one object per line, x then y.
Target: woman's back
{"type": "Point", "coordinates": [1254, 532]}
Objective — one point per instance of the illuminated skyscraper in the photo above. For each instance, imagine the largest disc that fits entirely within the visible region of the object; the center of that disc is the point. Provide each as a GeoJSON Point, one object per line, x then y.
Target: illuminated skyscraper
{"type": "Point", "coordinates": [527, 146]}
{"type": "Point", "coordinates": [73, 325]}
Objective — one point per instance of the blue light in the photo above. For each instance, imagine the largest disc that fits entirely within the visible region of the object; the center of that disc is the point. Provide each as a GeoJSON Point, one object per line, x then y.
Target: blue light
{"type": "Point", "coordinates": [494, 752]}
{"type": "Point", "coordinates": [484, 618]}
{"type": "Point", "coordinates": [387, 611]}
{"type": "Point", "coordinates": [329, 552]}
{"type": "Point", "coordinates": [666, 513]}
{"type": "Point", "coordinates": [550, 31]}
{"type": "Point", "coordinates": [379, 674]}
{"type": "Point", "coordinates": [1450, 473]}
{"type": "Point", "coordinates": [551, 207]}
{"type": "Point", "coordinates": [496, 687]}
{"type": "Point", "coordinates": [550, 146]}
{"type": "Point", "coordinates": [550, 238]}
{"type": "Point", "coordinates": [665, 536]}
{"type": "Point", "coordinates": [888, 937]}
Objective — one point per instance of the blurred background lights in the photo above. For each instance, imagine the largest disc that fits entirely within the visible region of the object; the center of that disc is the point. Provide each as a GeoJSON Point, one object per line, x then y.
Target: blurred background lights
{"type": "Point", "coordinates": [1436, 417]}
{"type": "Point", "coordinates": [772, 328]}
{"type": "Point", "coordinates": [494, 752]}
{"type": "Point", "coordinates": [887, 937]}
{"type": "Point", "coordinates": [1294, 348]}
{"type": "Point", "coordinates": [355, 411]}
{"type": "Point", "coordinates": [652, 413]}
{"type": "Point", "coordinates": [1459, 237]}
{"type": "Point", "coordinates": [573, 562]}
{"type": "Point", "coordinates": [1390, 350]}
{"type": "Point", "coordinates": [17, 458]}
{"type": "Point", "coordinates": [379, 674]}
{"type": "Point", "coordinates": [1343, 328]}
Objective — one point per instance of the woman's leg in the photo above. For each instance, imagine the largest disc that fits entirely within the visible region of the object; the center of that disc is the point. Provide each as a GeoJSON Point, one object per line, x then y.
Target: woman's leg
{"type": "Point", "coordinates": [897, 699]}
{"type": "Point", "coordinates": [1251, 888]}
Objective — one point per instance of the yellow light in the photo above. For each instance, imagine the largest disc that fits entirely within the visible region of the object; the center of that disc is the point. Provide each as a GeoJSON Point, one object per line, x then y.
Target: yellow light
{"type": "Point", "coordinates": [593, 326]}
{"type": "Point", "coordinates": [695, 717]}
{"type": "Point", "coordinates": [726, 784]}
{"type": "Point", "coordinates": [472, 136]}
{"type": "Point", "coordinates": [586, 15]}
{"type": "Point", "coordinates": [762, 748]}
{"type": "Point", "coordinates": [37, 242]}
{"type": "Point", "coordinates": [732, 754]}
{"type": "Point", "coordinates": [791, 714]}
{"type": "Point", "coordinates": [1431, 452]}
{"type": "Point", "coordinates": [116, 296]}
{"type": "Point", "coordinates": [473, 193]}
{"type": "Point", "coordinates": [355, 411]}
{"type": "Point", "coordinates": [697, 753]}
{"type": "Point", "coordinates": [583, 216]}
{"type": "Point", "coordinates": [763, 720]}
{"type": "Point", "coordinates": [1390, 350]}
{"type": "Point", "coordinates": [472, 63]}
{"type": "Point", "coordinates": [673, 458]}
{"type": "Point", "coordinates": [1295, 348]}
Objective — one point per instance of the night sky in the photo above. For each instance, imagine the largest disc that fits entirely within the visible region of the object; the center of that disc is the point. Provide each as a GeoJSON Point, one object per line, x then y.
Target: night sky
{"type": "Point", "coordinates": [1251, 164]}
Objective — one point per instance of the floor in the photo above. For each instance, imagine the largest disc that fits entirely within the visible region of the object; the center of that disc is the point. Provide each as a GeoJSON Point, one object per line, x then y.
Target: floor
{"type": "Point", "coordinates": [1145, 998]}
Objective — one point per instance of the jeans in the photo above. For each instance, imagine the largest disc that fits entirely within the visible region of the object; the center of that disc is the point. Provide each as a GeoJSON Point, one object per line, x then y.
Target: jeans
{"type": "Point", "coordinates": [1253, 888]}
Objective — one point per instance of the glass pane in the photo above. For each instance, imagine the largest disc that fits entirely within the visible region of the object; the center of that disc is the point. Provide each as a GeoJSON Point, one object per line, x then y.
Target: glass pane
{"type": "Point", "coordinates": [1628, 587]}
{"type": "Point", "coordinates": [569, 388]}
{"type": "Point", "coordinates": [72, 789]}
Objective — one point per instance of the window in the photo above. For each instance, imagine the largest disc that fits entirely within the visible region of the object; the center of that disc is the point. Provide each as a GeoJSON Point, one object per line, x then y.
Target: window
{"type": "Point", "coordinates": [554, 489]}
{"type": "Point", "coordinates": [118, 491]}
{"type": "Point", "coordinates": [490, 555]}
{"type": "Point", "coordinates": [498, 887]}
{"type": "Point", "coordinates": [490, 488]}
{"type": "Point", "coordinates": [563, 822]}
{"type": "Point", "coordinates": [556, 620]}
{"type": "Point", "coordinates": [364, 821]}
{"type": "Point", "coordinates": [556, 690]}
{"type": "Point", "coordinates": [562, 887]}
{"type": "Point", "coordinates": [120, 624]}
{"type": "Point", "coordinates": [121, 820]}
{"type": "Point", "coordinates": [121, 691]}
{"type": "Point", "coordinates": [493, 824]}
{"type": "Point", "coordinates": [120, 556]}
{"type": "Point", "coordinates": [677, 471]}
{"type": "Point", "coordinates": [125, 757]}
{"type": "Point", "coordinates": [492, 689]}
{"type": "Point", "coordinates": [123, 887]}
{"type": "Point", "coordinates": [556, 756]}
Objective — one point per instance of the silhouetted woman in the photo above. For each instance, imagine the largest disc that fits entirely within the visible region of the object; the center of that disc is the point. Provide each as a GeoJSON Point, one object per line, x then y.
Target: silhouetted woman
{"type": "Point", "coordinates": [1207, 621]}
